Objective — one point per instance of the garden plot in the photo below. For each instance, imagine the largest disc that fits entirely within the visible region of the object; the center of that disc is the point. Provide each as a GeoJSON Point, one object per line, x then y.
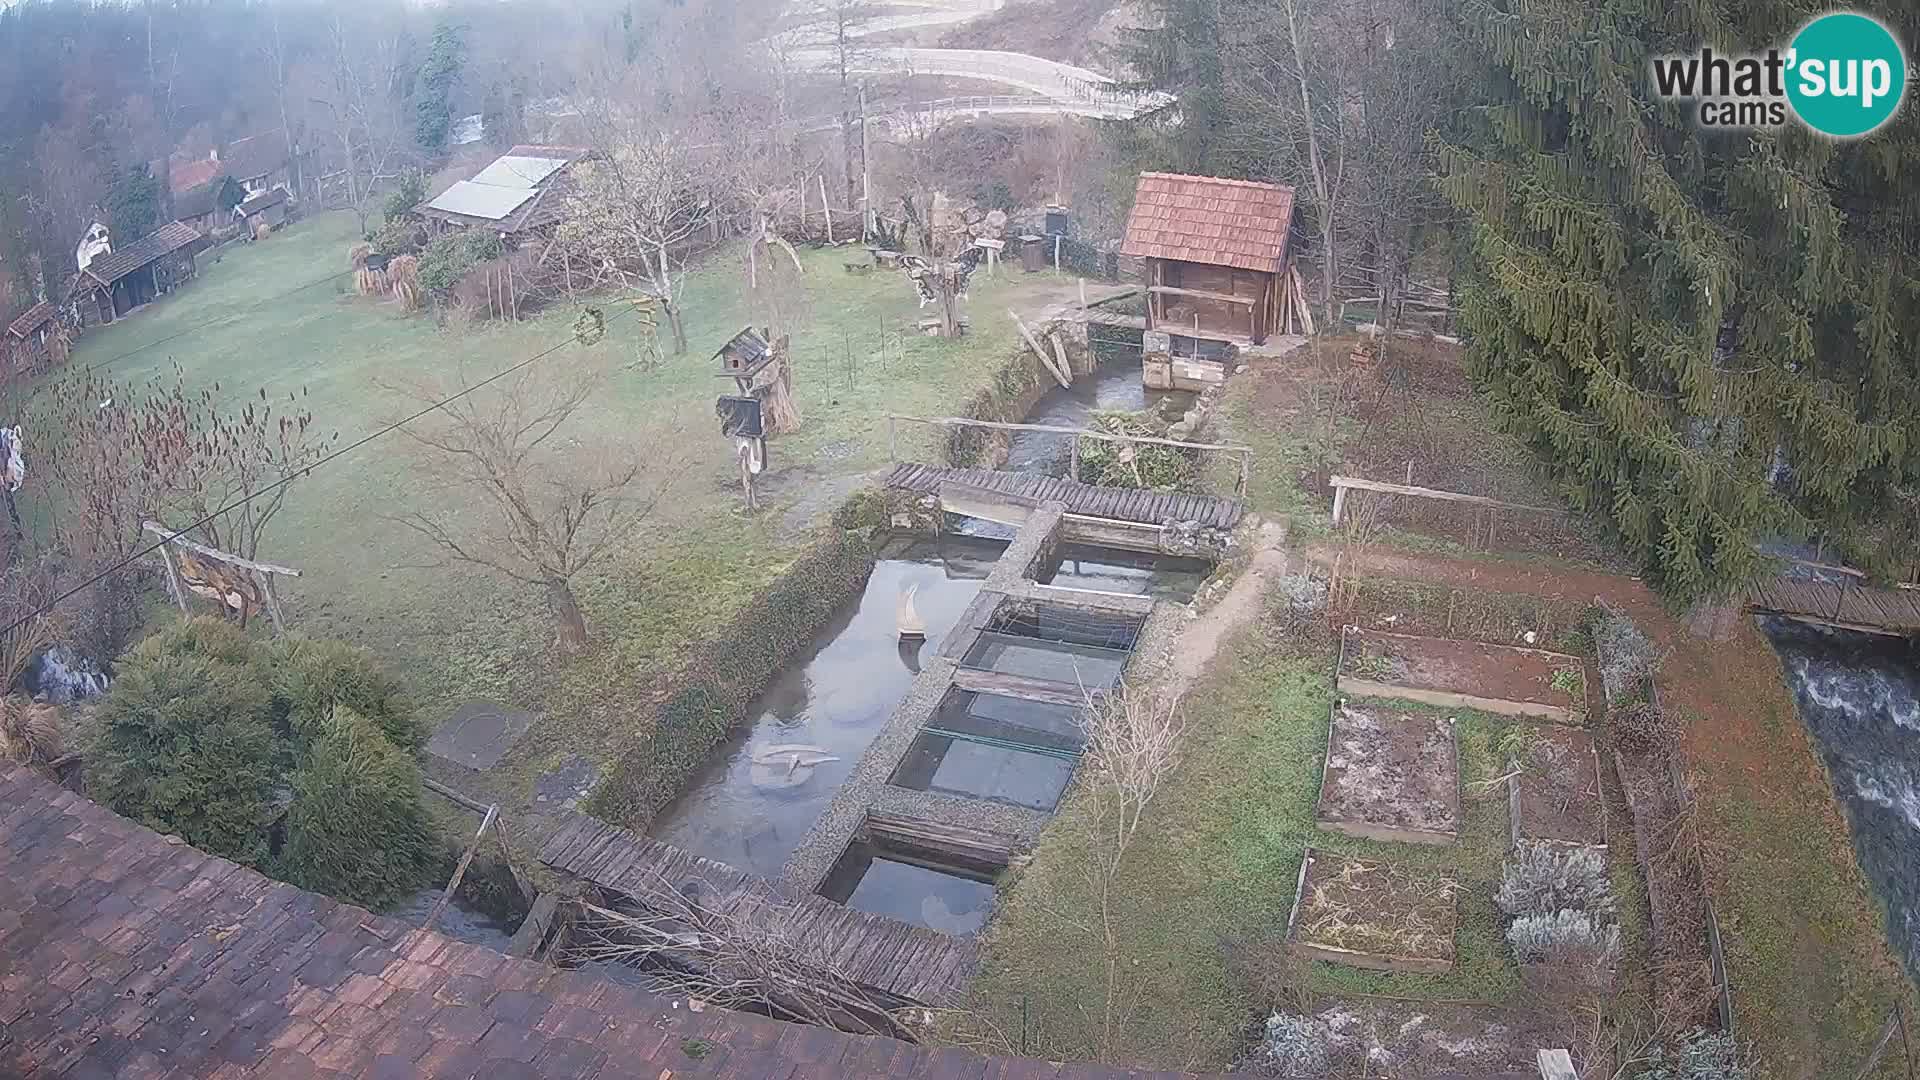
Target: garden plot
{"type": "Point", "coordinates": [1370, 914]}
{"type": "Point", "coordinates": [1391, 775]}
{"type": "Point", "coordinates": [1463, 674]}
{"type": "Point", "coordinates": [1556, 789]}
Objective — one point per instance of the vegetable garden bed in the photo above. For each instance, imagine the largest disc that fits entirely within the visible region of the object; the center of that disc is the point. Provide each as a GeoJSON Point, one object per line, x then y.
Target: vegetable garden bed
{"type": "Point", "coordinates": [1390, 775]}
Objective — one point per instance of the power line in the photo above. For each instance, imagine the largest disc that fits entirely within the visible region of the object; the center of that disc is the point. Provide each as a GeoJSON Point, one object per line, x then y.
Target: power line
{"type": "Point", "coordinates": [197, 327]}
{"type": "Point", "coordinates": [290, 478]}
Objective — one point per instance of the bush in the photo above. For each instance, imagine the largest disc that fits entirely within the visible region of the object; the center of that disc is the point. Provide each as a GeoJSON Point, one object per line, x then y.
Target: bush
{"type": "Point", "coordinates": [1129, 464]}
{"type": "Point", "coordinates": [1628, 659]}
{"type": "Point", "coordinates": [396, 238]}
{"type": "Point", "coordinates": [358, 829]}
{"type": "Point", "coordinates": [313, 676]}
{"type": "Point", "coordinates": [450, 255]}
{"type": "Point", "coordinates": [1293, 1048]}
{"type": "Point", "coordinates": [1700, 1055]}
{"type": "Point", "coordinates": [1561, 934]}
{"type": "Point", "coordinates": [185, 745]}
{"type": "Point", "coordinates": [409, 193]}
{"type": "Point", "coordinates": [1641, 727]}
{"type": "Point", "coordinates": [1539, 879]}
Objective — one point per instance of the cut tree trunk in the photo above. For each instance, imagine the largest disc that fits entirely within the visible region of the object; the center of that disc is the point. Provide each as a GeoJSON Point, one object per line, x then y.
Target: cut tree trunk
{"type": "Point", "coordinates": [570, 625]}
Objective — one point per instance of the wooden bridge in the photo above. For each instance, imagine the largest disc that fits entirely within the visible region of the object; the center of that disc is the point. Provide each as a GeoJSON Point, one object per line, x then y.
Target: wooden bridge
{"type": "Point", "coordinates": [1136, 505]}
{"type": "Point", "coordinates": [1849, 605]}
{"type": "Point", "coordinates": [916, 965]}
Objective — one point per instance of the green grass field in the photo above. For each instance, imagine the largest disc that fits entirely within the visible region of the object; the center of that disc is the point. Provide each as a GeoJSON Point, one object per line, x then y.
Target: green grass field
{"type": "Point", "coordinates": [460, 632]}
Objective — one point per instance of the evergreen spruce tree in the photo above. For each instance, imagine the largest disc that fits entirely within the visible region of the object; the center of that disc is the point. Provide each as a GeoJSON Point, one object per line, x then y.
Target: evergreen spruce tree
{"type": "Point", "coordinates": [1708, 336]}
{"type": "Point", "coordinates": [433, 113]}
{"type": "Point", "coordinates": [358, 828]}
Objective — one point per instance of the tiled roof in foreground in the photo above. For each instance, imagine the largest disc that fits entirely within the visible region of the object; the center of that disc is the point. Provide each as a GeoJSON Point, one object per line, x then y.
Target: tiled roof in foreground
{"type": "Point", "coordinates": [124, 953]}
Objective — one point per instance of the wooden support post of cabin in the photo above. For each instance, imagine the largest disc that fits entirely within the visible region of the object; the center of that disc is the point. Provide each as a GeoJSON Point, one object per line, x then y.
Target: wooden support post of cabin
{"type": "Point", "coordinates": [824, 206]}
{"type": "Point", "coordinates": [173, 578]}
{"type": "Point", "coordinates": [460, 871]}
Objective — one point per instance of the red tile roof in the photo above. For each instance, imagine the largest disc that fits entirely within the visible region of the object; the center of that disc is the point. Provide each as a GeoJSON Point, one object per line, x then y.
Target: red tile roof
{"type": "Point", "coordinates": [126, 953]}
{"type": "Point", "coordinates": [1204, 219]}
{"type": "Point", "coordinates": [184, 176]}
{"type": "Point", "coordinates": [31, 319]}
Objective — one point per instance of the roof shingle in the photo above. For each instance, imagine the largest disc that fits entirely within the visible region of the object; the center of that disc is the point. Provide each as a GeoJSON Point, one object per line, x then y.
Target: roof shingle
{"type": "Point", "coordinates": [30, 320]}
{"type": "Point", "coordinates": [1205, 219]}
{"type": "Point", "coordinates": [163, 241]}
{"type": "Point", "coordinates": [123, 952]}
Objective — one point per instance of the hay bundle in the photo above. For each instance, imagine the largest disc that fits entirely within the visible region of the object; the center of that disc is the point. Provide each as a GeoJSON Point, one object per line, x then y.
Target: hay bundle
{"type": "Point", "coordinates": [403, 281]}
{"type": "Point", "coordinates": [261, 230]}
{"type": "Point", "coordinates": [365, 282]}
{"type": "Point", "coordinates": [29, 731]}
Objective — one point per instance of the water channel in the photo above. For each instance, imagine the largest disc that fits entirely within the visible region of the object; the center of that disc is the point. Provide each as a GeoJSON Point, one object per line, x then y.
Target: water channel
{"type": "Point", "coordinates": [1859, 695]}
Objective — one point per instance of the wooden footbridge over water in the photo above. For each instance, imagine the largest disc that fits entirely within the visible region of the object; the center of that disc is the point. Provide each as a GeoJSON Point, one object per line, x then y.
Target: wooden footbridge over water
{"type": "Point", "coordinates": [910, 963]}
{"type": "Point", "coordinates": [1136, 505]}
{"type": "Point", "coordinates": [1850, 604]}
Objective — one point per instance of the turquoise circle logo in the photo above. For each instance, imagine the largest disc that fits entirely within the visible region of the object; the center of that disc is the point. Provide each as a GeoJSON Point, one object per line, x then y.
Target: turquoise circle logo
{"type": "Point", "coordinates": [1846, 75]}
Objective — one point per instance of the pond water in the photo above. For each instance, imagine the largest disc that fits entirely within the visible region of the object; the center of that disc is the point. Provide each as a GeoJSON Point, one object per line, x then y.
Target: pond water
{"type": "Point", "coordinates": [1859, 695]}
{"type": "Point", "coordinates": [1113, 386]}
{"type": "Point", "coordinates": [755, 798]}
{"type": "Point", "coordinates": [459, 921]}
{"type": "Point", "coordinates": [1000, 749]}
{"type": "Point", "coordinates": [1163, 577]}
{"type": "Point", "coordinates": [878, 881]}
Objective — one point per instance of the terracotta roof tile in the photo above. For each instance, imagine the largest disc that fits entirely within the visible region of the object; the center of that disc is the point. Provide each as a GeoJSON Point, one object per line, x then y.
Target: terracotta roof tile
{"type": "Point", "coordinates": [1205, 219]}
{"type": "Point", "coordinates": [124, 953]}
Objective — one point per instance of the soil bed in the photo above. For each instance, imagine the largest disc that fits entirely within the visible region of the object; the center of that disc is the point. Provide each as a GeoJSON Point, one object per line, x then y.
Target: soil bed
{"type": "Point", "coordinates": [1556, 795]}
{"type": "Point", "coordinates": [1391, 775]}
{"type": "Point", "coordinates": [1466, 674]}
{"type": "Point", "coordinates": [1370, 914]}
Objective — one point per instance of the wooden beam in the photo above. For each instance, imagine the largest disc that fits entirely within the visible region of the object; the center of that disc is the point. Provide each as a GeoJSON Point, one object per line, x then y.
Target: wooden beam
{"type": "Point", "coordinates": [1019, 686]}
{"type": "Point", "coordinates": [460, 871]}
{"type": "Point", "coordinates": [1054, 429]}
{"type": "Point", "coordinates": [1339, 483]}
{"type": "Point", "coordinates": [1064, 378]}
{"type": "Point", "coordinates": [1202, 294]}
{"type": "Point", "coordinates": [170, 536]}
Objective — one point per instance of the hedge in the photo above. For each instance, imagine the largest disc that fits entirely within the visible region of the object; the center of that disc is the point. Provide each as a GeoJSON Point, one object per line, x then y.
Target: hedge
{"type": "Point", "coordinates": [1015, 388]}
{"type": "Point", "coordinates": [358, 828]}
{"type": "Point", "coordinates": [713, 692]}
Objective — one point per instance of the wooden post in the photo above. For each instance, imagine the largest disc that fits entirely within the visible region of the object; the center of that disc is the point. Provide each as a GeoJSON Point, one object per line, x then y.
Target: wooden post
{"type": "Point", "coordinates": [1073, 457]}
{"type": "Point", "coordinates": [824, 206]}
{"type": "Point", "coordinates": [1339, 503]}
{"type": "Point", "coordinates": [1061, 377]}
{"type": "Point", "coordinates": [893, 446]}
{"type": "Point", "coordinates": [1056, 253]}
{"type": "Point", "coordinates": [460, 871]}
{"type": "Point", "coordinates": [273, 602]}
{"type": "Point", "coordinates": [173, 577]}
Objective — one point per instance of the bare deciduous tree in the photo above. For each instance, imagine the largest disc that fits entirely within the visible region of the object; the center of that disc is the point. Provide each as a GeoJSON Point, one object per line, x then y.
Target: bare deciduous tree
{"type": "Point", "coordinates": [551, 518]}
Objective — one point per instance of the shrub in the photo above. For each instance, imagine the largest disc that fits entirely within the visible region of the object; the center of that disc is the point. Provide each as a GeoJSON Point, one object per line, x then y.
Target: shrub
{"type": "Point", "coordinates": [1700, 1055]}
{"type": "Point", "coordinates": [410, 192]}
{"type": "Point", "coordinates": [312, 676]}
{"type": "Point", "coordinates": [1559, 934]}
{"type": "Point", "coordinates": [1628, 659]}
{"type": "Point", "coordinates": [1292, 1048]}
{"type": "Point", "coordinates": [185, 746]}
{"type": "Point", "coordinates": [396, 238]}
{"type": "Point", "coordinates": [1539, 879]}
{"type": "Point", "coordinates": [1132, 464]}
{"type": "Point", "coordinates": [358, 829]}
{"type": "Point", "coordinates": [450, 255]}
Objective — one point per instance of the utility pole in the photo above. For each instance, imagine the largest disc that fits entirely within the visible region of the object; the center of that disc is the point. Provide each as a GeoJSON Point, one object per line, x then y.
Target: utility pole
{"type": "Point", "coordinates": [867, 223]}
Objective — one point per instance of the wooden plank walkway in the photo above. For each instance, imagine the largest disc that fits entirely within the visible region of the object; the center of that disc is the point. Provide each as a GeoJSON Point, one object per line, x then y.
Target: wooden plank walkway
{"type": "Point", "coordinates": [1856, 607]}
{"type": "Point", "coordinates": [909, 962]}
{"type": "Point", "coordinates": [1123, 504]}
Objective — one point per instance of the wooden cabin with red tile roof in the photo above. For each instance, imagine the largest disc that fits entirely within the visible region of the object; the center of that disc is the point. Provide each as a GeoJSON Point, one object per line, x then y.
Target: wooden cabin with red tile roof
{"type": "Point", "coordinates": [1217, 255]}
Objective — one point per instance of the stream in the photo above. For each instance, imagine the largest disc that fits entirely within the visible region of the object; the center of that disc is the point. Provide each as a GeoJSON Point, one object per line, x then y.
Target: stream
{"type": "Point", "coordinates": [1859, 695]}
{"type": "Point", "coordinates": [1114, 386]}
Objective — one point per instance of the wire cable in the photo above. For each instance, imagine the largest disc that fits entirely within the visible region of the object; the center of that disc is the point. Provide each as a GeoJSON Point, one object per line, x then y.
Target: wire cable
{"type": "Point", "coordinates": [608, 320]}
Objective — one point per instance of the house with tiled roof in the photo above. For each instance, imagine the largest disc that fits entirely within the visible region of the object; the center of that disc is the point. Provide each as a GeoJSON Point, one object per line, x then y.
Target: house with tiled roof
{"type": "Point", "coordinates": [124, 277]}
{"type": "Point", "coordinates": [1217, 256]}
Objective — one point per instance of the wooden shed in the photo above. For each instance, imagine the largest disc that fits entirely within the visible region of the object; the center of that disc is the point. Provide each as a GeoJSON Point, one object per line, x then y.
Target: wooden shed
{"type": "Point", "coordinates": [117, 281]}
{"type": "Point", "coordinates": [32, 340]}
{"type": "Point", "coordinates": [1215, 254]}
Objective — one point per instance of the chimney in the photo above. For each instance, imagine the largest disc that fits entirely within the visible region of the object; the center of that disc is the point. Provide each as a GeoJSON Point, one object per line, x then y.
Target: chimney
{"type": "Point", "coordinates": [213, 154]}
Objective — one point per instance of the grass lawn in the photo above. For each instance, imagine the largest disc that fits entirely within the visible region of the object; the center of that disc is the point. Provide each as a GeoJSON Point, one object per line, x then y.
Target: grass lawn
{"type": "Point", "coordinates": [1212, 874]}
{"type": "Point", "coordinates": [460, 632]}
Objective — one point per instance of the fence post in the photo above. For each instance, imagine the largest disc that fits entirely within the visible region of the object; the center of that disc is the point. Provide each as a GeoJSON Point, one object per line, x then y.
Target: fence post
{"type": "Point", "coordinates": [893, 454]}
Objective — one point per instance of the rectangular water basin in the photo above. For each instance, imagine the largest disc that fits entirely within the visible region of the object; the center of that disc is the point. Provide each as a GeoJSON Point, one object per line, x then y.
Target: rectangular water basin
{"type": "Point", "coordinates": [1138, 573]}
{"type": "Point", "coordinates": [994, 748]}
{"type": "Point", "coordinates": [943, 896]}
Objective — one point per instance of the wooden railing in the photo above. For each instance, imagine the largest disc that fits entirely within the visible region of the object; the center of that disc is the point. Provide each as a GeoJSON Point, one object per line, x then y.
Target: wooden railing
{"type": "Point", "coordinates": [1245, 452]}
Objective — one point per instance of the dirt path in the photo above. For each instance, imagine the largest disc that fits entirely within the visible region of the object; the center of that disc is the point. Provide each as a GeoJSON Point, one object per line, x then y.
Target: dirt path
{"type": "Point", "coordinates": [1812, 975]}
{"type": "Point", "coordinates": [1197, 644]}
